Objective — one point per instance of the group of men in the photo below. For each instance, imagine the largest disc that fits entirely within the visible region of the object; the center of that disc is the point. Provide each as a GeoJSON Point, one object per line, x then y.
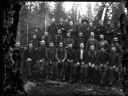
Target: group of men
{"type": "Point", "coordinates": [71, 53]}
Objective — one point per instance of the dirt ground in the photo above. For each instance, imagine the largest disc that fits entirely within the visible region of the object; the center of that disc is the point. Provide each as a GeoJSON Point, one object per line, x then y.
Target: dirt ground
{"type": "Point", "coordinates": [54, 88]}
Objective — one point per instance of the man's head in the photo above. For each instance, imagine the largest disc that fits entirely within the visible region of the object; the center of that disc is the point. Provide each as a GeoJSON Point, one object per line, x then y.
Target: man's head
{"type": "Point", "coordinates": [103, 49]}
{"type": "Point", "coordinates": [71, 23]}
{"type": "Point", "coordinates": [113, 49]}
{"type": "Point", "coordinates": [80, 34]}
{"type": "Point", "coordinates": [92, 35]}
{"type": "Point", "coordinates": [70, 45]}
{"type": "Point", "coordinates": [59, 31]}
{"type": "Point", "coordinates": [30, 45]}
{"type": "Point", "coordinates": [85, 22]}
{"type": "Point", "coordinates": [42, 42]}
{"type": "Point", "coordinates": [68, 34]}
{"type": "Point", "coordinates": [81, 45]}
{"type": "Point", "coordinates": [34, 36]}
{"type": "Point", "coordinates": [66, 20]}
{"type": "Point", "coordinates": [51, 44]}
{"type": "Point", "coordinates": [53, 20]}
{"type": "Point", "coordinates": [60, 44]}
{"type": "Point", "coordinates": [61, 20]}
{"type": "Point", "coordinates": [46, 33]}
{"type": "Point", "coordinates": [115, 39]}
{"type": "Point", "coordinates": [92, 48]}
{"type": "Point", "coordinates": [101, 36]}
{"type": "Point", "coordinates": [36, 29]}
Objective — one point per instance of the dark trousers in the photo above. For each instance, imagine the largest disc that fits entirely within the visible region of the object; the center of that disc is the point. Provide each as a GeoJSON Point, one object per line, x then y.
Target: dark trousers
{"type": "Point", "coordinates": [91, 76]}
{"type": "Point", "coordinates": [83, 73]}
{"type": "Point", "coordinates": [77, 73]}
{"type": "Point", "coordinates": [60, 70]}
{"type": "Point", "coordinates": [50, 69]}
{"type": "Point", "coordinates": [68, 71]}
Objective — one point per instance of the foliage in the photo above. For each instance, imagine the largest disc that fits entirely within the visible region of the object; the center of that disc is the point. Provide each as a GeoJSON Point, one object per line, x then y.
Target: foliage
{"type": "Point", "coordinates": [59, 11]}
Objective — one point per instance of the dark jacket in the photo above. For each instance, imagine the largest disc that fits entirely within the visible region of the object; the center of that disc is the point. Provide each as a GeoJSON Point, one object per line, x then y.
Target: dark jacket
{"type": "Point", "coordinates": [103, 57]}
{"type": "Point", "coordinates": [51, 54]}
{"type": "Point", "coordinates": [91, 56]}
{"type": "Point", "coordinates": [61, 54]}
{"type": "Point", "coordinates": [91, 42]}
{"type": "Point", "coordinates": [114, 59]}
{"type": "Point", "coordinates": [52, 29]}
{"type": "Point", "coordinates": [70, 54]}
{"type": "Point", "coordinates": [78, 52]}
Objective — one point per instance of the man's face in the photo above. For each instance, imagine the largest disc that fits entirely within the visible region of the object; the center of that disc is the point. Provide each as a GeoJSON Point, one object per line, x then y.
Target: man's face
{"type": "Point", "coordinates": [68, 34]}
{"type": "Point", "coordinates": [85, 23]}
{"type": "Point", "coordinates": [81, 34]}
{"type": "Point", "coordinates": [59, 31]}
{"type": "Point", "coordinates": [61, 44]}
{"type": "Point", "coordinates": [30, 45]}
{"type": "Point", "coordinates": [101, 37]}
{"type": "Point", "coordinates": [115, 39]}
{"type": "Point", "coordinates": [70, 46]}
{"type": "Point", "coordinates": [36, 30]}
{"type": "Point", "coordinates": [66, 20]}
{"type": "Point", "coordinates": [71, 23]}
{"type": "Point", "coordinates": [34, 36]}
{"type": "Point", "coordinates": [92, 34]}
{"type": "Point", "coordinates": [81, 45]}
{"type": "Point", "coordinates": [51, 44]}
{"type": "Point", "coordinates": [42, 42]}
{"type": "Point", "coordinates": [53, 20]}
{"type": "Point", "coordinates": [113, 49]}
{"type": "Point", "coordinates": [46, 33]}
{"type": "Point", "coordinates": [61, 20]}
{"type": "Point", "coordinates": [92, 48]}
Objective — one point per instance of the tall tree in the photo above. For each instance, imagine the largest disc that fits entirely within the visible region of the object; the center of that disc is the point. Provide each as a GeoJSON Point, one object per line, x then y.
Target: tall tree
{"type": "Point", "coordinates": [59, 11]}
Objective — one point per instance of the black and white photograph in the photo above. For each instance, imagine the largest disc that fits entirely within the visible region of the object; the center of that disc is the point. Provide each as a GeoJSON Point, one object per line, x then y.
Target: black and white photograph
{"type": "Point", "coordinates": [64, 48]}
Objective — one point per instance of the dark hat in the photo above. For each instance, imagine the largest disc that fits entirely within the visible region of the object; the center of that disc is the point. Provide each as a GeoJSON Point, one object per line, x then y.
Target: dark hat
{"type": "Point", "coordinates": [84, 20]}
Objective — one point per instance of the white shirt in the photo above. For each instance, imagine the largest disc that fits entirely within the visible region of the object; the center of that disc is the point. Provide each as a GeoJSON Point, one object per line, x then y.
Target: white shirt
{"type": "Point", "coordinates": [81, 53]}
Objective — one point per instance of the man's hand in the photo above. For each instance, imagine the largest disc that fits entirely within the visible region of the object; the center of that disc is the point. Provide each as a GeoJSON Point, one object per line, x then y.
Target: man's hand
{"type": "Point", "coordinates": [92, 65]}
{"type": "Point", "coordinates": [62, 28]}
{"type": "Point", "coordinates": [114, 67]}
{"type": "Point", "coordinates": [89, 64]}
{"type": "Point", "coordinates": [29, 59]}
{"type": "Point", "coordinates": [82, 63]}
{"type": "Point", "coordinates": [101, 65]}
{"type": "Point", "coordinates": [78, 63]}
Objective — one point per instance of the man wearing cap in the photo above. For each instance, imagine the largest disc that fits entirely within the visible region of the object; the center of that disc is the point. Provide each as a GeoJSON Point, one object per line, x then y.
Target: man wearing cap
{"type": "Point", "coordinates": [41, 55]}
{"type": "Point", "coordinates": [102, 61]}
{"type": "Point", "coordinates": [58, 37]}
{"type": "Point", "coordinates": [52, 29]}
{"type": "Point", "coordinates": [103, 43]}
{"type": "Point", "coordinates": [81, 72]}
{"type": "Point", "coordinates": [116, 45]}
{"type": "Point", "coordinates": [35, 42]}
{"type": "Point", "coordinates": [92, 41]}
{"type": "Point", "coordinates": [70, 63]}
{"type": "Point", "coordinates": [79, 40]}
{"type": "Point", "coordinates": [84, 28]}
{"type": "Point", "coordinates": [91, 60]}
{"type": "Point", "coordinates": [51, 61]}
{"type": "Point", "coordinates": [61, 26]}
{"type": "Point", "coordinates": [61, 55]}
{"type": "Point", "coordinates": [47, 38]}
{"type": "Point", "coordinates": [114, 65]}
{"type": "Point", "coordinates": [68, 40]}
{"type": "Point", "coordinates": [29, 58]}
{"type": "Point", "coordinates": [66, 25]}
{"type": "Point", "coordinates": [37, 33]}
